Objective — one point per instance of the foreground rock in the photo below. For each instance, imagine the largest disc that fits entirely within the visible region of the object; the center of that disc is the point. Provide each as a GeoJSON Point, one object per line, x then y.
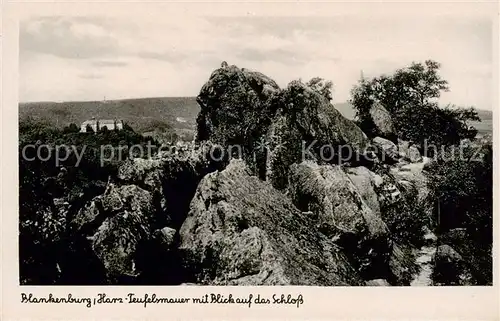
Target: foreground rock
{"type": "Point", "coordinates": [386, 150]}
{"type": "Point", "coordinates": [241, 231]}
{"type": "Point", "coordinates": [342, 214]}
{"type": "Point", "coordinates": [450, 268]}
{"type": "Point", "coordinates": [172, 179]}
{"type": "Point", "coordinates": [116, 223]}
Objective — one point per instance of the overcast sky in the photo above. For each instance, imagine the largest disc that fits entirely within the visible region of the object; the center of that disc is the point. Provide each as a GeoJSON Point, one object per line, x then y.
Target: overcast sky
{"type": "Point", "coordinates": [74, 58]}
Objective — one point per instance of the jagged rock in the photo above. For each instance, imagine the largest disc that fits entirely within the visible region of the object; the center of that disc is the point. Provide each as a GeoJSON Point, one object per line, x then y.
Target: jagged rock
{"type": "Point", "coordinates": [366, 182]}
{"type": "Point", "coordinates": [118, 237]}
{"type": "Point", "coordinates": [316, 119]}
{"type": "Point", "coordinates": [382, 120]}
{"type": "Point", "coordinates": [234, 105]}
{"type": "Point", "coordinates": [342, 214]}
{"type": "Point", "coordinates": [402, 264]}
{"type": "Point", "coordinates": [242, 231]}
{"type": "Point", "coordinates": [450, 267]}
{"type": "Point", "coordinates": [414, 154]}
{"type": "Point", "coordinates": [377, 282]}
{"type": "Point", "coordinates": [247, 108]}
{"type": "Point", "coordinates": [165, 237]}
{"type": "Point", "coordinates": [172, 179]}
{"type": "Point", "coordinates": [386, 150]}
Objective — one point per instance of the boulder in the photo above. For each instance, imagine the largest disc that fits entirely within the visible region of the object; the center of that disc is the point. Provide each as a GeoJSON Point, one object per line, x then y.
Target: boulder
{"type": "Point", "coordinates": [386, 150]}
{"type": "Point", "coordinates": [172, 179]}
{"type": "Point", "coordinates": [414, 155]}
{"type": "Point", "coordinates": [234, 106]}
{"type": "Point", "coordinates": [242, 231]}
{"type": "Point", "coordinates": [382, 120]}
{"type": "Point", "coordinates": [342, 214]}
{"type": "Point", "coordinates": [165, 237]}
{"type": "Point", "coordinates": [317, 120]}
{"type": "Point", "coordinates": [377, 282]}
{"type": "Point", "coordinates": [366, 182]}
{"type": "Point", "coordinates": [274, 127]}
{"type": "Point", "coordinates": [125, 226]}
{"type": "Point", "coordinates": [402, 264]}
{"type": "Point", "coordinates": [450, 268]}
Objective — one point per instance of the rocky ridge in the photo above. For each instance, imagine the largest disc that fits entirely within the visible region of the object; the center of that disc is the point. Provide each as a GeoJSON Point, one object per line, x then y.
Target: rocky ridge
{"type": "Point", "coordinates": [271, 216]}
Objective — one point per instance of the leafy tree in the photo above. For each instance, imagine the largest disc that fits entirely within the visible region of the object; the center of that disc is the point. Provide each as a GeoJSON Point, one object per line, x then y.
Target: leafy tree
{"type": "Point", "coordinates": [72, 128]}
{"type": "Point", "coordinates": [410, 96]}
{"type": "Point", "coordinates": [321, 86]}
{"type": "Point", "coordinates": [462, 179]}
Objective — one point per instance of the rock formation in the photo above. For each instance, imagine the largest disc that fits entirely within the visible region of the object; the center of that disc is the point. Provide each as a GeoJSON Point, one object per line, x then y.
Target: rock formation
{"type": "Point", "coordinates": [241, 231]}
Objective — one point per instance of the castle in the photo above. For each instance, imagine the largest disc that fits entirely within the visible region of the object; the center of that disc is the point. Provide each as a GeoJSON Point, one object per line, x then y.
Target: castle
{"type": "Point", "coordinates": [100, 124]}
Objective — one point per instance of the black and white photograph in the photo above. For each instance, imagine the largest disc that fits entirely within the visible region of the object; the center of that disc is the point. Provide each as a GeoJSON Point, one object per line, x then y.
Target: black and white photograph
{"type": "Point", "coordinates": [256, 150]}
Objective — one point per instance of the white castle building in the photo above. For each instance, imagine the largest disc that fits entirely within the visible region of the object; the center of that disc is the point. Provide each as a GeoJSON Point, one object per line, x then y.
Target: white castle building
{"type": "Point", "coordinates": [100, 124]}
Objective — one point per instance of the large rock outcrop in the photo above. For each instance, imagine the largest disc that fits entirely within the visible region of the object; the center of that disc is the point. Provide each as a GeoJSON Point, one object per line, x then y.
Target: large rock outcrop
{"type": "Point", "coordinates": [342, 214]}
{"type": "Point", "coordinates": [115, 224]}
{"type": "Point", "coordinates": [234, 106]}
{"type": "Point", "coordinates": [275, 127]}
{"type": "Point", "coordinates": [242, 231]}
{"type": "Point", "coordinates": [172, 178]}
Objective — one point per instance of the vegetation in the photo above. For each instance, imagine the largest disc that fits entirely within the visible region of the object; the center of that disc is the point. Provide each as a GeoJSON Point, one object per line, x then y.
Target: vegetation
{"type": "Point", "coordinates": [321, 86]}
{"type": "Point", "coordinates": [463, 182]}
{"type": "Point", "coordinates": [410, 97]}
{"type": "Point", "coordinates": [71, 176]}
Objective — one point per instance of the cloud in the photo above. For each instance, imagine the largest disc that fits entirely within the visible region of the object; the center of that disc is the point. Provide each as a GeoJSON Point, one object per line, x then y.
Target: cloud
{"type": "Point", "coordinates": [109, 63]}
{"type": "Point", "coordinates": [171, 56]}
{"type": "Point", "coordinates": [175, 56]}
{"type": "Point", "coordinates": [91, 76]}
{"type": "Point", "coordinates": [71, 38]}
{"type": "Point", "coordinates": [279, 55]}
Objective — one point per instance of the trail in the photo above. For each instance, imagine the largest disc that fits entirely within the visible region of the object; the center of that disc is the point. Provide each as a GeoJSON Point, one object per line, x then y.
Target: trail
{"type": "Point", "coordinates": [424, 261]}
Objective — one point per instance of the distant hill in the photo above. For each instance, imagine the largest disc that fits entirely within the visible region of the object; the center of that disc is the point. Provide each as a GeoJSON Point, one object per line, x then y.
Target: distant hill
{"type": "Point", "coordinates": [144, 114]}
{"type": "Point", "coordinates": [141, 113]}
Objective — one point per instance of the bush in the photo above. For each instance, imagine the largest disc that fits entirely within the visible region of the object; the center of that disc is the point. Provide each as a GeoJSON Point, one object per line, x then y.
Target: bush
{"type": "Point", "coordinates": [410, 97]}
{"type": "Point", "coordinates": [42, 225]}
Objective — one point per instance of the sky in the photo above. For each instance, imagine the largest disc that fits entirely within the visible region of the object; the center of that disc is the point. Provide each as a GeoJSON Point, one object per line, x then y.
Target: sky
{"type": "Point", "coordinates": [89, 58]}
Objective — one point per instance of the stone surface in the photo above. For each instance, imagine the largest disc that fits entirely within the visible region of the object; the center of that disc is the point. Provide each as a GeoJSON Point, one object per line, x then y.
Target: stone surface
{"type": "Point", "coordinates": [377, 282]}
{"type": "Point", "coordinates": [118, 237]}
{"type": "Point", "coordinates": [382, 120]}
{"type": "Point", "coordinates": [342, 214]}
{"type": "Point", "coordinates": [386, 150]}
{"type": "Point", "coordinates": [242, 231]}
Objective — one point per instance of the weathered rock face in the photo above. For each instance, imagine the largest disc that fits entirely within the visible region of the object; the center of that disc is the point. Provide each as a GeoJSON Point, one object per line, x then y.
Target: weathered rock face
{"type": "Point", "coordinates": [409, 152]}
{"type": "Point", "coordinates": [116, 223]}
{"type": "Point", "coordinates": [382, 120]}
{"type": "Point", "coordinates": [317, 120]}
{"type": "Point", "coordinates": [241, 231]}
{"type": "Point", "coordinates": [234, 106]}
{"type": "Point", "coordinates": [414, 154]}
{"type": "Point", "coordinates": [450, 268]}
{"type": "Point", "coordinates": [377, 282]}
{"type": "Point", "coordinates": [274, 127]}
{"type": "Point", "coordinates": [342, 214]}
{"type": "Point", "coordinates": [367, 182]}
{"type": "Point", "coordinates": [387, 150]}
{"type": "Point", "coordinates": [172, 179]}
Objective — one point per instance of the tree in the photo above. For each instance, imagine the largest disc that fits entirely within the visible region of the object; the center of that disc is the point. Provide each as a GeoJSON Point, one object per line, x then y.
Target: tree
{"type": "Point", "coordinates": [321, 86]}
{"type": "Point", "coordinates": [410, 95]}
